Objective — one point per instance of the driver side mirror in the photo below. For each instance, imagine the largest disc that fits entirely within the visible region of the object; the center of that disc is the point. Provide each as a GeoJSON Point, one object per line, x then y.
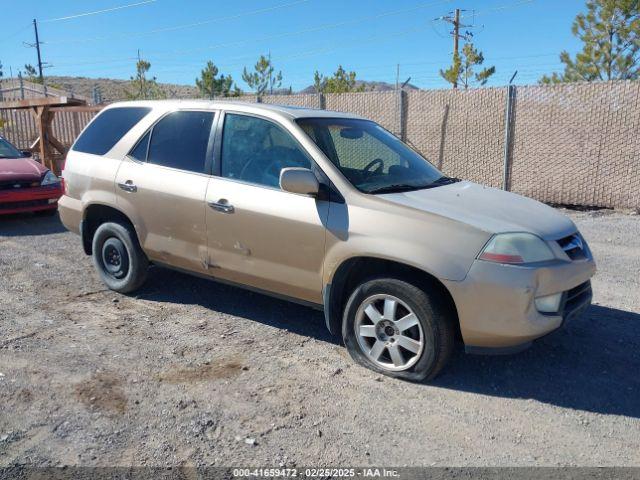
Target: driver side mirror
{"type": "Point", "coordinates": [26, 153]}
{"type": "Point", "coordinates": [299, 180]}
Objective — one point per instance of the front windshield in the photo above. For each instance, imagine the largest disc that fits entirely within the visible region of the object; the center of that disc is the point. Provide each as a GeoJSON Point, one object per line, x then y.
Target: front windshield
{"type": "Point", "coordinates": [8, 151]}
{"type": "Point", "coordinates": [371, 158]}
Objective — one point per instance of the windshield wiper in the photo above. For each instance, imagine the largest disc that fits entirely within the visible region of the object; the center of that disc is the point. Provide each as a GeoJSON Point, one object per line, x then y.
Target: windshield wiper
{"type": "Point", "coordinates": [445, 181]}
{"type": "Point", "coordinates": [400, 187]}
{"type": "Point", "coordinates": [403, 187]}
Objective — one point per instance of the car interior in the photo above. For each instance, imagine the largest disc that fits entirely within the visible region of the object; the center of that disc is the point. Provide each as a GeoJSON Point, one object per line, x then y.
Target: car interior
{"type": "Point", "coordinates": [255, 150]}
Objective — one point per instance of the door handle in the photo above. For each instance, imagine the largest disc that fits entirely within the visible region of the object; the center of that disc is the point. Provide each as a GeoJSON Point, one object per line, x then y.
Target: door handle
{"type": "Point", "coordinates": [221, 205]}
{"type": "Point", "coordinates": [128, 186]}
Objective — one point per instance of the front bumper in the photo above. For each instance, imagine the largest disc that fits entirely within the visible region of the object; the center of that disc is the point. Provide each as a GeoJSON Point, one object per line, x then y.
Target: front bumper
{"type": "Point", "coordinates": [30, 199]}
{"type": "Point", "coordinates": [496, 305]}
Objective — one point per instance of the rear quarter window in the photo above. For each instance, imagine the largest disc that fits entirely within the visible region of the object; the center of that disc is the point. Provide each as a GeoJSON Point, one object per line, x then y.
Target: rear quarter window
{"type": "Point", "coordinates": [108, 128]}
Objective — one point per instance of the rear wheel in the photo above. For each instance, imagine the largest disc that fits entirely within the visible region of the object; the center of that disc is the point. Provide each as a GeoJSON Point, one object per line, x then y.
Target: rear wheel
{"type": "Point", "coordinates": [398, 329]}
{"type": "Point", "coordinates": [117, 256]}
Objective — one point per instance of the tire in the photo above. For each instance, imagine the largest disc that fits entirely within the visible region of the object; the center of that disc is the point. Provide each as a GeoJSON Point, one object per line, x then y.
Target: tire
{"type": "Point", "coordinates": [429, 336]}
{"type": "Point", "coordinates": [117, 256]}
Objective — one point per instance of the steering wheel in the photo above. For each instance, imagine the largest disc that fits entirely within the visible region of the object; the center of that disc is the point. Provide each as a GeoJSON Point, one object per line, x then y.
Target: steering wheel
{"type": "Point", "coordinates": [369, 170]}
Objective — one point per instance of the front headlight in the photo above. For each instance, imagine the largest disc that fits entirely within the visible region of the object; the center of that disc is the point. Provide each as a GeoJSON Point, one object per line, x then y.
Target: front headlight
{"type": "Point", "coordinates": [516, 248]}
{"type": "Point", "coordinates": [50, 178]}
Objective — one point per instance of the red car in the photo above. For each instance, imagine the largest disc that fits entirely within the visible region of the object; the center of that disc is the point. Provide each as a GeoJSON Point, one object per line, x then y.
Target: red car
{"type": "Point", "coordinates": [26, 185]}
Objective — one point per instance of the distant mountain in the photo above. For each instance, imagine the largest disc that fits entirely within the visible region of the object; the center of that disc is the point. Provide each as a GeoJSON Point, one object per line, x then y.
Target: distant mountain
{"type": "Point", "coordinates": [112, 89]}
{"type": "Point", "coordinates": [368, 87]}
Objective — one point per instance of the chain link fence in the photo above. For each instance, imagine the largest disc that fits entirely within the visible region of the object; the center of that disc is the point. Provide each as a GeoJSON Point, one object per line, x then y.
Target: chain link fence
{"type": "Point", "coordinates": [577, 144]}
{"type": "Point", "coordinates": [568, 144]}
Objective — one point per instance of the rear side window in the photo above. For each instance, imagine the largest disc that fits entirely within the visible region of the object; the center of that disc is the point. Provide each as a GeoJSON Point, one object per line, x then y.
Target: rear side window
{"type": "Point", "coordinates": [140, 151]}
{"type": "Point", "coordinates": [108, 128]}
{"type": "Point", "coordinates": [180, 140]}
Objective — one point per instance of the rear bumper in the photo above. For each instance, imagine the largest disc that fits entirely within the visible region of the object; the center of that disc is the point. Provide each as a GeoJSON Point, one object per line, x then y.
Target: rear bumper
{"type": "Point", "coordinates": [29, 199]}
{"type": "Point", "coordinates": [70, 211]}
{"type": "Point", "coordinates": [496, 306]}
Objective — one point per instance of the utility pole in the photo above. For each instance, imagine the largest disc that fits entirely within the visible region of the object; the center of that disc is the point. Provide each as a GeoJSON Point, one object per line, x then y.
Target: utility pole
{"type": "Point", "coordinates": [508, 132]}
{"type": "Point", "coordinates": [398, 101]}
{"type": "Point", "coordinates": [35, 28]}
{"type": "Point", "coordinates": [456, 36]}
{"type": "Point", "coordinates": [455, 21]}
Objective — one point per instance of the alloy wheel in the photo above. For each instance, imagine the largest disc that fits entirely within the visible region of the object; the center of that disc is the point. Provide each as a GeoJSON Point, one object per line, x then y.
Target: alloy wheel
{"type": "Point", "coordinates": [389, 332]}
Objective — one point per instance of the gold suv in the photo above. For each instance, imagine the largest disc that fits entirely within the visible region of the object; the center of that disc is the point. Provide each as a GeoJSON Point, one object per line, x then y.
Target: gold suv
{"type": "Point", "coordinates": [330, 210]}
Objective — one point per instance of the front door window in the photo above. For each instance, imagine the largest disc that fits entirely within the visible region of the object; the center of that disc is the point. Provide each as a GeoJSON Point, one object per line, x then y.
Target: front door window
{"type": "Point", "coordinates": [255, 150]}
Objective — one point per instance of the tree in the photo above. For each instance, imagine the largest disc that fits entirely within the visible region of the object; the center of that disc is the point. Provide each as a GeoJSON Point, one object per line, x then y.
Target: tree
{"type": "Point", "coordinates": [31, 72]}
{"type": "Point", "coordinates": [263, 77]}
{"type": "Point", "coordinates": [319, 82]}
{"type": "Point", "coordinates": [144, 88]}
{"type": "Point", "coordinates": [210, 85]}
{"type": "Point", "coordinates": [462, 70]}
{"type": "Point", "coordinates": [610, 33]}
{"type": "Point", "coordinates": [341, 82]}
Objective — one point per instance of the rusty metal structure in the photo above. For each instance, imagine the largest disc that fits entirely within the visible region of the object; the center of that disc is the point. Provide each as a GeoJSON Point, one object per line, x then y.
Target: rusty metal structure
{"type": "Point", "coordinates": [48, 148]}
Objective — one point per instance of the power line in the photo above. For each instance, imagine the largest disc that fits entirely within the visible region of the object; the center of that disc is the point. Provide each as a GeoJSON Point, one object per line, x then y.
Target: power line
{"type": "Point", "coordinates": [305, 54]}
{"type": "Point", "coordinates": [254, 12]}
{"type": "Point", "coordinates": [180, 53]}
{"type": "Point", "coordinates": [96, 12]}
{"type": "Point", "coordinates": [182, 26]}
{"type": "Point", "coordinates": [517, 57]}
{"type": "Point", "coordinates": [327, 26]}
{"type": "Point", "coordinates": [176, 66]}
{"type": "Point", "coordinates": [499, 8]}
{"type": "Point", "coordinates": [15, 33]}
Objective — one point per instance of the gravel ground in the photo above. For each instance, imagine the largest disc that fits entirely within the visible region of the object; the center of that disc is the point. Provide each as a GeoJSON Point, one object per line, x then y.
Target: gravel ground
{"type": "Point", "coordinates": [188, 372]}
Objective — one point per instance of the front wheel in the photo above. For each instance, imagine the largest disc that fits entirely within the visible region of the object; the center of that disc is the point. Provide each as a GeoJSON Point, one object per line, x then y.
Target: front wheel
{"type": "Point", "coordinates": [117, 256]}
{"type": "Point", "coordinates": [398, 329]}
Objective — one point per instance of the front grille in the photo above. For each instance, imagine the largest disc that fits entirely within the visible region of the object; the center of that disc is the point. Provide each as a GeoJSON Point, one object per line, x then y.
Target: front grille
{"type": "Point", "coordinates": [573, 246]}
{"type": "Point", "coordinates": [577, 300]}
{"type": "Point", "coordinates": [26, 204]}
{"type": "Point", "coordinates": [17, 185]}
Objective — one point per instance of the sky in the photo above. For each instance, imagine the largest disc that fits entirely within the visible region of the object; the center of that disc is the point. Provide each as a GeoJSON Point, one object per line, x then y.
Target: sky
{"type": "Point", "coordinates": [369, 37]}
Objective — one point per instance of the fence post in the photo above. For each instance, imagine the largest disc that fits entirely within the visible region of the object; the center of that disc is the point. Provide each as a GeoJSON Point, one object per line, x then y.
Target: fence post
{"type": "Point", "coordinates": [76, 125]}
{"type": "Point", "coordinates": [322, 104]}
{"type": "Point", "coordinates": [21, 85]}
{"type": "Point", "coordinates": [507, 136]}
{"type": "Point", "coordinates": [402, 117]}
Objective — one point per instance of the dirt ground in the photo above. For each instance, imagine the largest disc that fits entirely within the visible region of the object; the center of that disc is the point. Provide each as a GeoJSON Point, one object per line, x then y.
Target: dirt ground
{"type": "Point", "coordinates": [189, 372]}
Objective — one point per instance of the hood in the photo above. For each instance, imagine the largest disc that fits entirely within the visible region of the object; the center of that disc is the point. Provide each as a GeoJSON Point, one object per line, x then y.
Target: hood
{"type": "Point", "coordinates": [488, 209]}
{"type": "Point", "coordinates": [21, 169]}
